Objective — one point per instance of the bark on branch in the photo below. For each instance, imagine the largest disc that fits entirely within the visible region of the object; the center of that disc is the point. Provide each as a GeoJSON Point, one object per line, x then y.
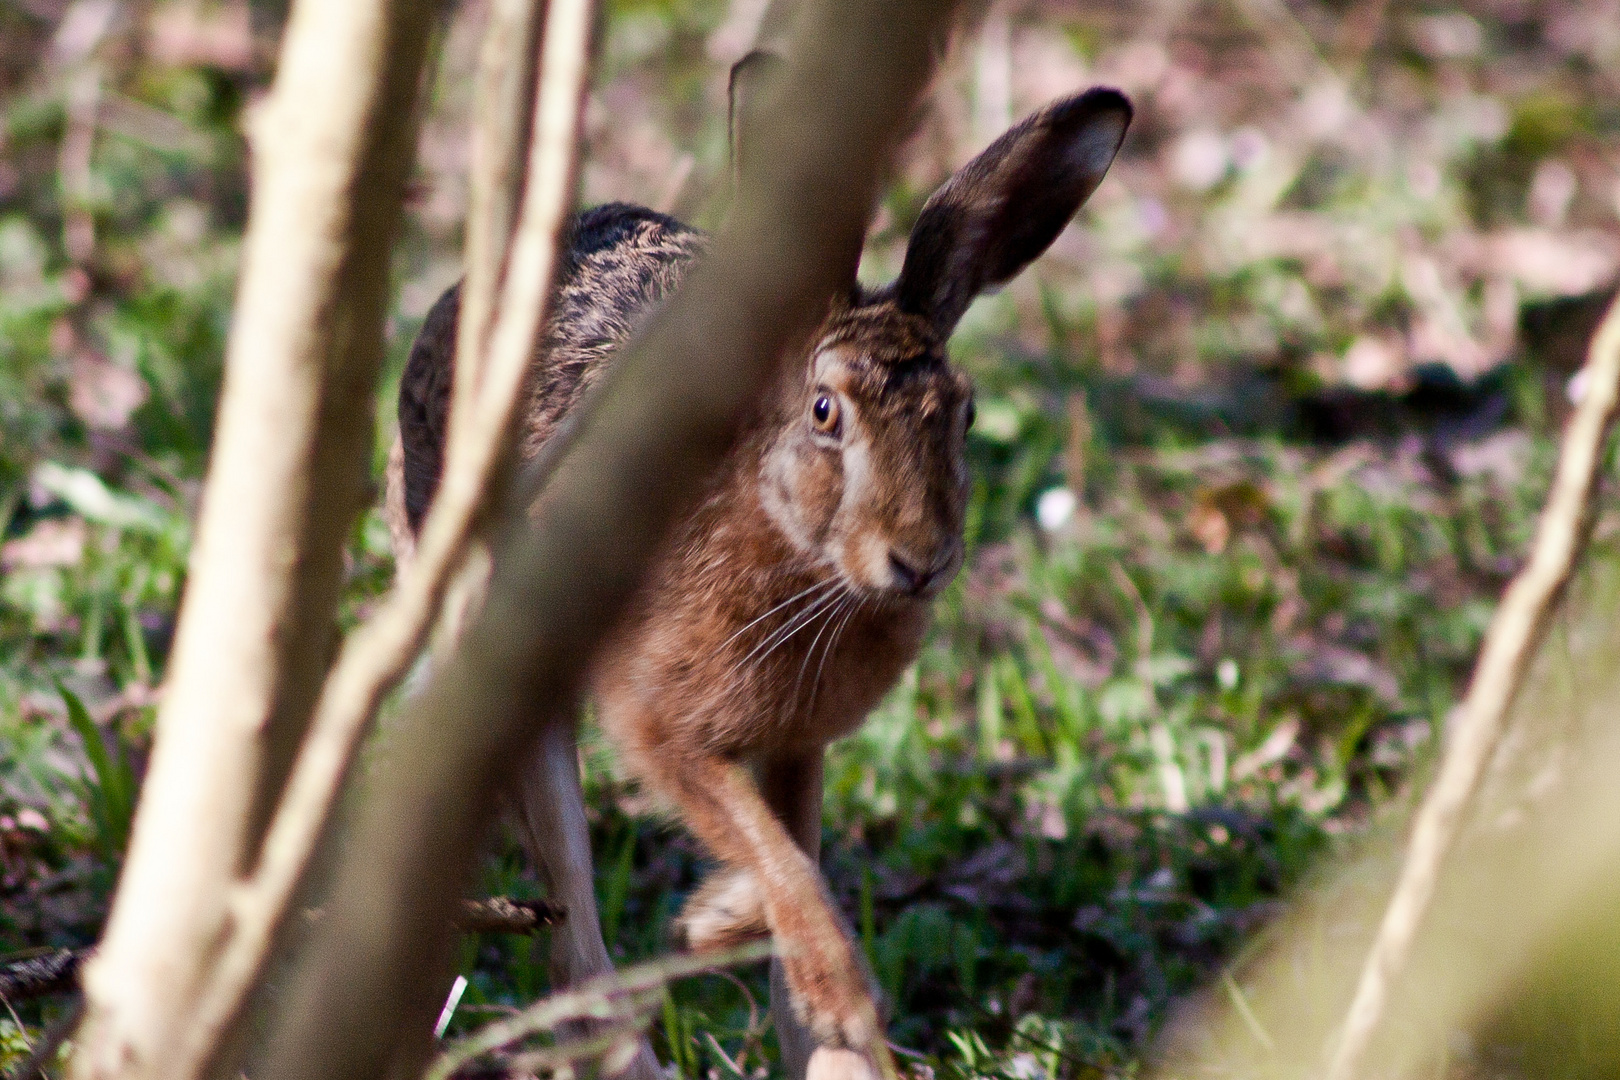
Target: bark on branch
{"type": "Point", "coordinates": [668, 414]}
{"type": "Point", "coordinates": [1510, 644]}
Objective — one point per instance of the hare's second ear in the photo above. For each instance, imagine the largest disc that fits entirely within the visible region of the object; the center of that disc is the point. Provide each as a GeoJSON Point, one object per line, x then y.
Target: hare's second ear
{"type": "Point", "coordinates": [1007, 205]}
{"type": "Point", "coordinates": [751, 79]}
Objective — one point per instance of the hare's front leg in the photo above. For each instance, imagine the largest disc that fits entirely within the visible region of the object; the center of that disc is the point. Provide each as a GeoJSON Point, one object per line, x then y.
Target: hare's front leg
{"type": "Point", "coordinates": [720, 803]}
{"type": "Point", "coordinates": [793, 788]}
{"type": "Point", "coordinates": [551, 813]}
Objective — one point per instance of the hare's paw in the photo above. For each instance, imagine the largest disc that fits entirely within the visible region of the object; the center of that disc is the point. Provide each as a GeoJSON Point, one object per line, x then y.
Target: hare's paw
{"type": "Point", "coordinates": [726, 910]}
{"type": "Point", "coordinates": [830, 991]}
{"type": "Point", "coordinates": [837, 1063]}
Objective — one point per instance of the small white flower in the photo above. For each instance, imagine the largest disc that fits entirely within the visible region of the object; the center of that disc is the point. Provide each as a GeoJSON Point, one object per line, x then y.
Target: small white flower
{"type": "Point", "coordinates": [1199, 160]}
{"type": "Point", "coordinates": [1054, 508]}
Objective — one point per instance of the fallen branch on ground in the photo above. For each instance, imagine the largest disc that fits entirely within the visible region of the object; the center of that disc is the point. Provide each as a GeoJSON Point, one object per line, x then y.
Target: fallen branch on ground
{"type": "Point", "coordinates": [503, 915]}
{"type": "Point", "coordinates": [42, 973]}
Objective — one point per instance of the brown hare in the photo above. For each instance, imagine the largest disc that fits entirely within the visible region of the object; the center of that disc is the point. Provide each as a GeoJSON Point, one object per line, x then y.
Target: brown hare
{"type": "Point", "coordinates": [792, 598]}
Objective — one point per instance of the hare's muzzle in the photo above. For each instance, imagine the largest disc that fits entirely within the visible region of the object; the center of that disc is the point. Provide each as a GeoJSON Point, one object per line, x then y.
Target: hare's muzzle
{"type": "Point", "coordinates": [923, 577]}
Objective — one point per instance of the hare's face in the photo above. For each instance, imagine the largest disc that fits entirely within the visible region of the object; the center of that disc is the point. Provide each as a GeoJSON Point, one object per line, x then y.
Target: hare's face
{"type": "Point", "coordinates": [866, 471]}
{"type": "Point", "coordinates": [869, 474]}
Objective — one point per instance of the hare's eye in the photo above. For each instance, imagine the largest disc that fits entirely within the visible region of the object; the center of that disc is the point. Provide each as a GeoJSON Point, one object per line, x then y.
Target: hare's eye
{"type": "Point", "coordinates": [824, 414]}
{"type": "Point", "coordinates": [972, 413]}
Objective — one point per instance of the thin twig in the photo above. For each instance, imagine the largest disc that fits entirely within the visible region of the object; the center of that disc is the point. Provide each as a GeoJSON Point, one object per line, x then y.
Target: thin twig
{"type": "Point", "coordinates": [501, 132]}
{"type": "Point", "coordinates": [725, 1059]}
{"type": "Point", "coordinates": [601, 1044]}
{"type": "Point", "coordinates": [620, 996]}
{"type": "Point", "coordinates": [1510, 643]}
{"type": "Point", "coordinates": [1240, 1001]}
{"type": "Point", "coordinates": [752, 1036]}
{"type": "Point", "coordinates": [496, 915]}
{"type": "Point", "coordinates": [376, 657]}
{"type": "Point", "coordinates": [22, 1029]}
{"type": "Point", "coordinates": [56, 971]}
{"type": "Point", "coordinates": [33, 1067]}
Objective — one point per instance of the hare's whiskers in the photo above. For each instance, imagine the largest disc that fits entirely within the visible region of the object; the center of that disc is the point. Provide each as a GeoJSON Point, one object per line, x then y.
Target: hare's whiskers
{"type": "Point", "coordinates": [804, 619]}
{"type": "Point", "coordinates": [766, 642]}
{"type": "Point", "coordinates": [818, 585]}
{"type": "Point", "coordinates": [832, 643]}
{"type": "Point", "coordinates": [835, 611]}
{"type": "Point", "coordinates": [792, 626]}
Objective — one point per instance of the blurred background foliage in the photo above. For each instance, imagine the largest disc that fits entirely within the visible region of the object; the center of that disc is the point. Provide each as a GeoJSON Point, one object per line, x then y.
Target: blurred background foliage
{"type": "Point", "coordinates": [1260, 441]}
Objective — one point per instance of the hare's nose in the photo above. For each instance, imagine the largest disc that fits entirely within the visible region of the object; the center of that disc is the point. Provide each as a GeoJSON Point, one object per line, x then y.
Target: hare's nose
{"type": "Point", "coordinates": [906, 577]}
{"type": "Point", "coordinates": [912, 579]}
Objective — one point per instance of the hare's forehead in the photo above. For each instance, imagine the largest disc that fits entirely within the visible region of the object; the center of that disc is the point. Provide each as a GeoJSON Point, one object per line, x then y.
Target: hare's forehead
{"type": "Point", "coordinates": [921, 389]}
{"type": "Point", "coordinates": [843, 367]}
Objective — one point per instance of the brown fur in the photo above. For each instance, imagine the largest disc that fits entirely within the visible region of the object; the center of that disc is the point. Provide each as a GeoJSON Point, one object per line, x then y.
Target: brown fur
{"type": "Point", "coordinates": [621, 261]}
{"type": "Point", "coordinates": [791, 599]}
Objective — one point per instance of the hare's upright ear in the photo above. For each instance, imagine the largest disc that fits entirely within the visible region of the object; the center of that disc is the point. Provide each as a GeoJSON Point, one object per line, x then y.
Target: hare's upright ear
{"type": "Point", "coordinates": [1007, 205]}
{"type": "Point", "coordinates": [751, 79]}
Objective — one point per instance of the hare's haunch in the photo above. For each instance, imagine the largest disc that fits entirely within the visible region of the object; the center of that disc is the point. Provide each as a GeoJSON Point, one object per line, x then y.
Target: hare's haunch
{"type": "Point", "coordinates": [791, 599]}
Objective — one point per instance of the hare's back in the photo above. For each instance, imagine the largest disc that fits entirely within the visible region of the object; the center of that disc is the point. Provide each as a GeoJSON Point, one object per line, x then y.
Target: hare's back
{"type": "Point", "coordinates": [620, 261]}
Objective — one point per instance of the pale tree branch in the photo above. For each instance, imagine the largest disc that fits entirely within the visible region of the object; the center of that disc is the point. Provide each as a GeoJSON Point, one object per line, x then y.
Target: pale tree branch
{"type": "Point", "coordinates": [501, 131]}
{"type": "Point", "coordinates": [287, 478]}
{"type": "Point", "coordinates": [376, 657]}
{"type": "Point", "coordinates": [374, 972]}
{"type": "Point", "coordinates": [1510, 642]}
{"type": "Point", "coordinates": [502, 136]}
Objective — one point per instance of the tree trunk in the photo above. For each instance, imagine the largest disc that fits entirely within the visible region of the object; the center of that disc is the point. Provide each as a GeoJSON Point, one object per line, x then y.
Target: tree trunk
{"type": "Point", "coordinates": [333, 144]}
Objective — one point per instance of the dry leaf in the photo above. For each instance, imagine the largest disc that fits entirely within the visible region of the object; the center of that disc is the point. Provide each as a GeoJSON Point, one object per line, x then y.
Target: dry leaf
{"type": "Point", "coordinates": [1210, 527]}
